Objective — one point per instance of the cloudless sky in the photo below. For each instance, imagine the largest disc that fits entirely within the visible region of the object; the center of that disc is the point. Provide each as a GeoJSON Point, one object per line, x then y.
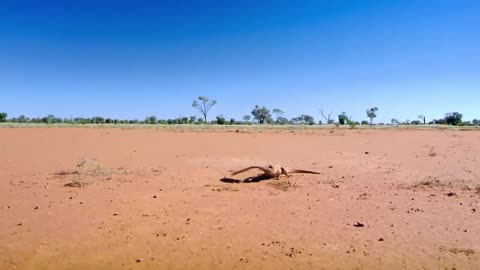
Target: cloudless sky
{"type": "Point", "coordinates": [130, 59]}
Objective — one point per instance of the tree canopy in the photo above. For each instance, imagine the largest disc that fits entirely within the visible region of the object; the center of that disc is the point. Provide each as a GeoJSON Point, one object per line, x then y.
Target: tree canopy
{"type": "Point", "coordinates": [204, 104]}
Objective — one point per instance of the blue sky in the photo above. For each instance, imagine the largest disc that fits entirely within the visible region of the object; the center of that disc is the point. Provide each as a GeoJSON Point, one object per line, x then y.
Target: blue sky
{"type": "Point", "coordinates": [130, 59]}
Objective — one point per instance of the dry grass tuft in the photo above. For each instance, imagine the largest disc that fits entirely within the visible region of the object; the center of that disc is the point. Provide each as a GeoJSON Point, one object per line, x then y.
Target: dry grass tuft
{"type": "Point", "coordinates": [85, 168]}
{"type": "Point", "coordinates": [430, 182]}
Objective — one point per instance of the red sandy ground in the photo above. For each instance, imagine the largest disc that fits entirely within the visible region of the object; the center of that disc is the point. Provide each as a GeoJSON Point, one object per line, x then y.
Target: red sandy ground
{"type": "Point", "coordinates": [156, 200]}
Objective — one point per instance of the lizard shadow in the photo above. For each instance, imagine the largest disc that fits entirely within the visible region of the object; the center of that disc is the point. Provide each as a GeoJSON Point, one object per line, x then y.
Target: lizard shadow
{"type": "Point", "coordinates": [253, 179]}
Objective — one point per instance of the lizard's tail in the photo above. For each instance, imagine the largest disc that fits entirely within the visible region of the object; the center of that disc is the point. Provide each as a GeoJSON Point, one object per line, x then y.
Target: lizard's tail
{"type": "Point", "coordinates": [303, 171]}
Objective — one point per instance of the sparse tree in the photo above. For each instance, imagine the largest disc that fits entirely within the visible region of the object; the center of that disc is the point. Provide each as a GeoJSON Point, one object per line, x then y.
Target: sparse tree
{"type": "Point", "coordinates": [261, 114]}
{"type": "Point", "coordinates": [304, 119]}
{"type": "Point", "coordinates": [422, 118]}
{"type": "Point", "coordinates": [282, 121]}
{"type": "Point", "coordinates": [395, 121]}
{"type": "Point", "coordinates": [372, 113]}
{"type": "Point", "coordinates": [327, 117]}
{"type": "Point", "coordinates": [204, 104]}
{"type": "Point", "coordinates": [416, 122]}
{"type": "Point", "coordinates": [278, 113]}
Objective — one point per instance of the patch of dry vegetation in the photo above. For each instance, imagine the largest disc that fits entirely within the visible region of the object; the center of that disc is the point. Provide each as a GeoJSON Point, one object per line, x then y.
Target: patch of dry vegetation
{"type": "Point", "coordinates": [282, 185]}
{"type": "Point", "coordinates": [429, 182]}
{"type": "Point", "coordinates": [86, 170]}
{"type": "Point", "coordinates": [434, 184]}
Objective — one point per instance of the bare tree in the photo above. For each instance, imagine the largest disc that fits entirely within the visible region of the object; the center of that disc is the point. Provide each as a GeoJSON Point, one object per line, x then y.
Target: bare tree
{"type": "Point", "coordinates": [204, 105]}
{"type": "Point", "coordinates": [327, 117]}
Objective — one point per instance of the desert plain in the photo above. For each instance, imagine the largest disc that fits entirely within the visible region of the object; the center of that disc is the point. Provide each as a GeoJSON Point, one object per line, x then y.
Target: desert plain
{"type": "Point", "coordinates": [123, 198]}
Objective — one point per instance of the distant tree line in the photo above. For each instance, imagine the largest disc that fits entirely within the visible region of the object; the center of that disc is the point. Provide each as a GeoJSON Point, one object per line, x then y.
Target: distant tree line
{"type": "Point", "coordinates": [259, 115]}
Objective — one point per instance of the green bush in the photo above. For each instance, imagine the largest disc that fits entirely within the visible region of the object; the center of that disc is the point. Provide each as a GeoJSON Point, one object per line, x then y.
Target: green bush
{"type": "Point", "coordinates": [221, 120]}
{"type": "Point", "coordinates": [3, 117]}
{"type": "Point", "coordinates": [453, 118]}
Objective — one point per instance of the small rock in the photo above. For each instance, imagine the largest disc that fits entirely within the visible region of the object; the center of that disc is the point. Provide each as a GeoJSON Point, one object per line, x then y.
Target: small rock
{"type": "Point", "coordinates": [359, 225]}
{"type": "Point", "coordinates": [155, 196]}
{"type": "Point", "coordinates": [381, 239]}
{"type": "Point", "coordinates": [115, 214]}
{"type": "Point", "coordinates": [139, 261]}
{"type": "Point", "coordinates": [450, 194]}
{"type": "Point", "coordinates": [366, 153]}
{"type": "Point", "coordinates": [20, 224]}
{"type": "Point", "coordinates": [330, 167]}
{"type": "Point", "coordinates": [36, 207]}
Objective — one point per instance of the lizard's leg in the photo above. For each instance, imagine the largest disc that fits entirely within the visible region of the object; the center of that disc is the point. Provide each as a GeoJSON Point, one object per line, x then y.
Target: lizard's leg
{"type": "Point", "coordinates": [284, 171]}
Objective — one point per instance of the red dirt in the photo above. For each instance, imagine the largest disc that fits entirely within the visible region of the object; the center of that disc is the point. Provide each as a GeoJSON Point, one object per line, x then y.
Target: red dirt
{"type": "Point", "coordinates": [154, 199]}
